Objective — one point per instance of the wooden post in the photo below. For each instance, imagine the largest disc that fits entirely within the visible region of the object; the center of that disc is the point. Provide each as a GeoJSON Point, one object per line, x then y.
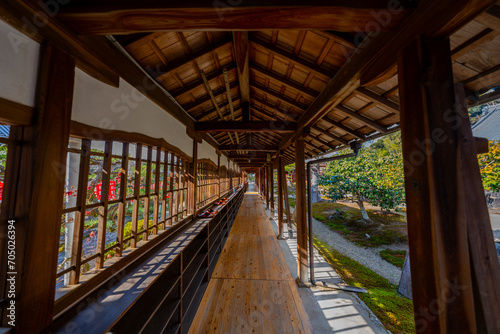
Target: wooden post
{"type": "Point", "coordinates": [164, 215]}
{"type": "Point", "coordinates": [157, 191]}
{"type": "Point", "coordinates": [280, 197]}
{"type": "Point", "coordinates": [40, 191]}
{"type": "Point", "coordinates": [483, 255]}
{"type": "Point", "coordinates": [122, 205]}
{"type": "Point", "coordinates": [135, 201]}
{"type": "Point", "coordinates": [442, 285]}
{"type": "Point", "coordinates": [194, 195]}
{"type": "Point", "coordinates": [300, 208]}
{"type": "Point", "coordinates": [103, 209]}
{"type": "Point", "coordinates": [76, 252]}
{"type": "Point", "coordinates": [218, 175]}
{"type": "Point", "coordinates": [271, 187]}
{"type": "Point", "coordinates": [171, 190]}
{"type": "Point", "coordinates": [147, 190]}
{"type": "Point", "coordinates": [266, 190]}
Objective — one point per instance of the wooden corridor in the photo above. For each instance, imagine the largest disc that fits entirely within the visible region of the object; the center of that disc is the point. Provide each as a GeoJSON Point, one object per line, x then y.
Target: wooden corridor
{"type": "Point", "coordinates": [252, 289]}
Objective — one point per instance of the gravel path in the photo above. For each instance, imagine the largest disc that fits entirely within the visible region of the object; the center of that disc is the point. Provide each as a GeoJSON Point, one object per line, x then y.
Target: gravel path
{"type": "Point", "coordinates": [367, 257]}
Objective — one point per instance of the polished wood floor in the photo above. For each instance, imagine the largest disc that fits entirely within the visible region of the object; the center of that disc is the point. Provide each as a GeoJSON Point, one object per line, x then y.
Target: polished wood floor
{"type": "Point", "coordinates": [251, 290]}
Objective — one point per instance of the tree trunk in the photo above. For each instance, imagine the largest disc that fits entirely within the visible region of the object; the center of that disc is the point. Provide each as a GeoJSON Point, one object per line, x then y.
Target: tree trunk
{"type": "Point", "coordinates": [405, 281]}
{"type": "Point", "coordinates": [315, 195]}
{"type": "Point", "coordinates": [362, 208]}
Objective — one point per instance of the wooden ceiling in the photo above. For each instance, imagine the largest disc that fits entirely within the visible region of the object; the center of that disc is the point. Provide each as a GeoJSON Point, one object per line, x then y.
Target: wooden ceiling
{"type": "Point", "coordinates": [256, 76]}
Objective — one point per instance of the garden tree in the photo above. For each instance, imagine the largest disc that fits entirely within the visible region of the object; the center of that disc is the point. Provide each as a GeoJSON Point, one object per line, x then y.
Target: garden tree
{"type": "Point", "coordinates": [489, 164]}
{"type": "Point", "coordinates": [375, 175]}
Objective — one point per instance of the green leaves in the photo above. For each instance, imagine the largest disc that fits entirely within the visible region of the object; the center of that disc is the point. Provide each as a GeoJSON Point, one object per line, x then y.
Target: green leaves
{"type": "Point", "coordinates": [489, 165]}
{"type": "Point", "coordinates": [376, 175]}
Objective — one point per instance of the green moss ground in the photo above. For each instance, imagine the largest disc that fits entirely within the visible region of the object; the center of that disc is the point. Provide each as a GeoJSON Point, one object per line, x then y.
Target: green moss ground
{"type": "Point", "coordinates": [396, 258]}
{"type": "Point", "coordinates": [383, 229]}
{"type": "Point", "coordinates": [394, 311]}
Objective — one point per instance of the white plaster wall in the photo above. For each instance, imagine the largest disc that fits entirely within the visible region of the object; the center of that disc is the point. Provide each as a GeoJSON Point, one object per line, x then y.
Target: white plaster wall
{"type": "Point", "coordinates": [125, 108]}
{"type": "Point", "coordinates": [206, 151]}
{"type": "Point", "coordinates": [223, 161]}
{"type": "Point", "coordinates": [18, 65]}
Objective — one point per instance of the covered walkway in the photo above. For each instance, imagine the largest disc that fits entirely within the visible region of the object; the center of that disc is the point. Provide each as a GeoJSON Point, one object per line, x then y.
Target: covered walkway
{"type": "Point", "coordinates": [251, 289]}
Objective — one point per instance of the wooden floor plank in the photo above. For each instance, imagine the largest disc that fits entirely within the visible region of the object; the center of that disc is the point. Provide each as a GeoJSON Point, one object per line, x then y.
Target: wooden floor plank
{"type": "Point", "coordinates": [252, 289]}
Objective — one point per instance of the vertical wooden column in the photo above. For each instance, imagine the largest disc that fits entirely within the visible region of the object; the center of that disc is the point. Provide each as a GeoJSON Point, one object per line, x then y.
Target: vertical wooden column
{"type": "Point", "coordinates": [136, 201]}
{"type": "Point", "coordinates": [266, 186]}
{"type": "Point", "coordinates": [218, 175]}
{"type": "Point", "coordinates": [442, 285]}
{"type": "Point", "coordinates": [300, 208]}
{"type": "Point", "coordinates": [76, 252]}
{"type": "Point", "coordinates": [103, 209]}
{"type": "Point", "coordinates": [194, 195]}
{"type": "Point", "coordinates": [122, 205]}
{"type": "Point", "coordinates": [285, 199]}
{"type": "Point", "coordinates": [271, 187]}
{"type": "Point", "coordinates": [147, 189]}
{"type": "Point", "coordinates": [164, 215]}
{"type": "Point", "coordinates": [157, 190]}
{"type": "Point", "coordinates": [280, 197]}
{"type": "Point", "coordinates": [40, 189]}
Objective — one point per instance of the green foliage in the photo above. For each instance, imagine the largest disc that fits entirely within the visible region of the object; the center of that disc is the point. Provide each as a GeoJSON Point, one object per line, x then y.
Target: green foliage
{"type": "Point", "coordinates": [396, 258]}
{"type": "Point", "coordinates": [376, 175]}
{"type": "Point", "coordinates": [383, 228]}
{"type": "Point", "coordinates": [3, 160]}
{"type": "Point", "coordinates": [489, 164]}
{"type": "Point", "coordinates": [290, 168]}
{"type": "Point", "coordinates": [394, 311]}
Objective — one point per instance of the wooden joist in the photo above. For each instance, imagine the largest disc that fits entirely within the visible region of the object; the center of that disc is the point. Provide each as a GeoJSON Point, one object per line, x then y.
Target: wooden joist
{"type": "Point", "coordinates": [378, 52]}
{"type": "Point", "coordinates": [93, 17]}
{"type": "Point", "coordinates": [251, 126]}
{"type": "Point", "coordinates": [256, 147]}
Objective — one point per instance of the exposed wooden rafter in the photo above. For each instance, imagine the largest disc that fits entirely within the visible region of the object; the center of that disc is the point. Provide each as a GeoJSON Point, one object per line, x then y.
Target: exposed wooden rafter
{"type": "Point", "coordinates": [94, 17]}
{"type": "Point", "coordinates": [250, 126]}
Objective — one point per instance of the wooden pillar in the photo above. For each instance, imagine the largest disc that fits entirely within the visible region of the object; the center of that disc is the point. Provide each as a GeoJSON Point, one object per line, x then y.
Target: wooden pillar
{"type": "Point", "coordinates": [300, 208]}
{"type": "Point", "coordinates": [286, 199]}
{"type": "Point", "coordinates": [441, 248]}
{"type": "Point", "coordinates": [266, 190]}
{"type": "Point", "coordinates": [218, 175]}
{"type": "Point", "coordinates": [280, 197]}
{"type": "Point", "coordinates": [194, 195]}
{"type": "Point", "coordinates": [271, 187]}
{"type": "Point", "coordinates": [40, 190]}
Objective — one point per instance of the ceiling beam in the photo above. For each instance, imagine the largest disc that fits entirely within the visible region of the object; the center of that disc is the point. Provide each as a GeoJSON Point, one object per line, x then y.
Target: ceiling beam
{"type": "Point", "coordinates": [331, 135]}
{"type": "Point", "coordinates": [206, 98]}
{"type": "Point", "coordinates": [292, 57]}
{"type": "Point", "coordinates": [365, 120]}
{"type": "Point", "coordinates": [241, 55]}
{"type": "Point", "coordinates": [125, 17]}
{"type": "Point", "coordinates": [286, 114]}
{"type": "Point", "coordinates": [279, 96]}
{"type": "Point", "coordinates": [378, 51]}
{"type": "Point", "coordinates": [173, 65]}
{"type": "Point", "coordinates": [283, 80]}
{"type": "Point", "coordinates": [316, 69]}
{"type": "Point", "coordinates": [368, 94]}
{"type": "Point", "coordinates": [344, 128]}
{"type": "Point", "coordinates": [199, 82]}
{"type": "Point", "coordinates": [253, 148]}
{"type": "Point", "coordinates": [251, 126]}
